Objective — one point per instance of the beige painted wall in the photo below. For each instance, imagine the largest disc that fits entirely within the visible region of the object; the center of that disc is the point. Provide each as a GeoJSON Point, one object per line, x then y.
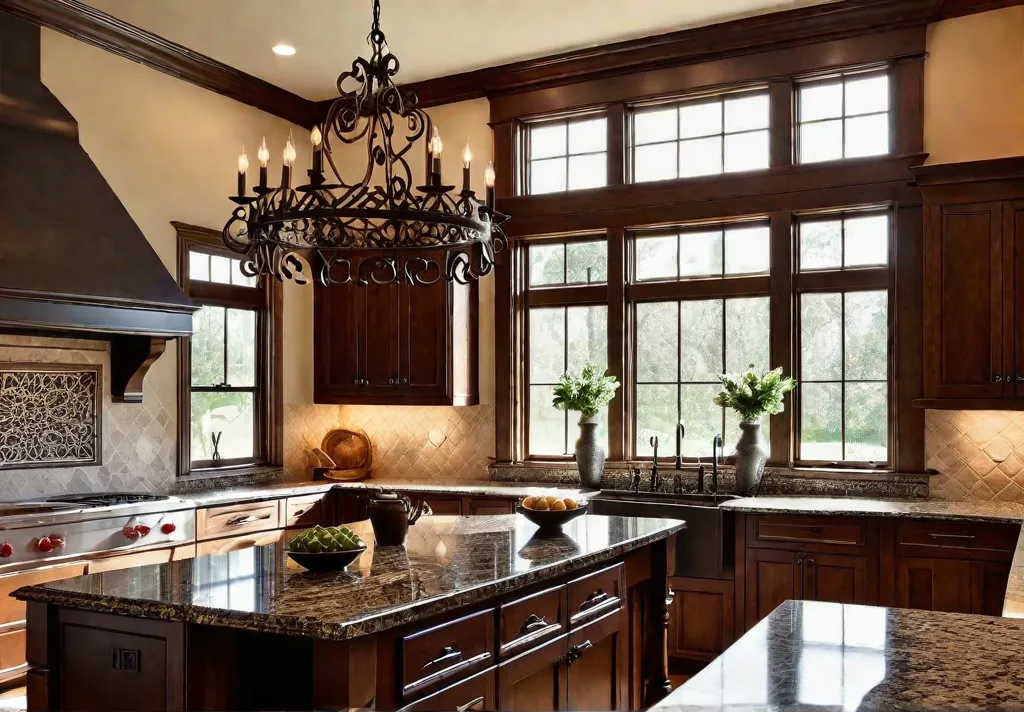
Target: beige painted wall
{"type": "Point", "coordinates": [169, 150]}
{"type": "Point", "coordinates": [974, 87]}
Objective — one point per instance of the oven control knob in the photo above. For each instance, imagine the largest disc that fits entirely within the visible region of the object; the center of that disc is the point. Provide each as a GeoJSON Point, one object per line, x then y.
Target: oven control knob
{"type": "Point", "coordinates": [6, 549]}
{"type": "Point", "coordinates": [44, 544]}
{"type": "Point", "coordinates": [168, 527]}
{"type": "Point", "coordinates": [130, 532]}
{"type": "Point", "coordinates": [141, 529]}
{"type": "Point", "coordinates": [57, 540]}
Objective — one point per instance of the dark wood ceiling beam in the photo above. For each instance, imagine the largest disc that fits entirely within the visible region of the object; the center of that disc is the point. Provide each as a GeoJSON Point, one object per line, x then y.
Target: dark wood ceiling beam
{"type": "Point", "coordinates": [88, 24]}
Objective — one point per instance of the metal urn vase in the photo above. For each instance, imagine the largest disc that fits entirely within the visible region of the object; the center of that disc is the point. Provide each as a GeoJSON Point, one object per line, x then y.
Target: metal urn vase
{"type": "Point", "coordinates": [589, 454]}
{"type": "Point", "coordinates": [751, 456]}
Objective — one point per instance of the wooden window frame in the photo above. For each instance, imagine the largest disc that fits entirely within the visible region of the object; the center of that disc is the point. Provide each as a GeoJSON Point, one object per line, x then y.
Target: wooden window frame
{"type": "Point", "coordinates": [841, 79]}
{"type": "Point", "coordinates": [267, 300]}
{"type": "Point", "coordinates": [780, 194]}
{"type": "Point", "coordinates": [526, 163]}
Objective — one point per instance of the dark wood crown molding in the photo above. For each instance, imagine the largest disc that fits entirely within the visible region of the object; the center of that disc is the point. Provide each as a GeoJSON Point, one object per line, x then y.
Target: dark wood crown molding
{"type": "Point", "coordinates": [778, 30]}
{"type": "Point", "coordinates": [78, 20]}
{"type": "Point", "coordinates": [969, 171]}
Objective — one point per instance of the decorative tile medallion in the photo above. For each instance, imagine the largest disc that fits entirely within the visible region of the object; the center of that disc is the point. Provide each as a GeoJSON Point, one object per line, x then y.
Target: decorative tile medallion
{"type": "Point", "coordinates": [49, 415]}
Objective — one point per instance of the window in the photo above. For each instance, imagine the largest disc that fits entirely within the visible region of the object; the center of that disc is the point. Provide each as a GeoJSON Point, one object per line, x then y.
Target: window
{"type": "Point", "coordinates": [681, 347]}
{"type": "Point", "coordinates": [701, 137]}
{"type": "Point", "coordinates": [229, 396]}
{"type": "Point", "coordinates": [567, 155]}
{"type": "Point", "coordinates": [844, 340]}
{"type": "Point", "coordinates": [561, 339]}
{"type": "Point", "coordinates": [844, 117]}
{"type": "Point", "coordinates": [571, 263]}
{"type": "Point", "coordinates": [703, 252]}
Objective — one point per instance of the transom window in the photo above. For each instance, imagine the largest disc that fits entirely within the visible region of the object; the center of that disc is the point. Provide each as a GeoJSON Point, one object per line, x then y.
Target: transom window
{"type": "Point", "coordinates": [568, 154]}
{"type": "Point", "coordinates": [843, 117]}
{"type": "Point", "coordinates": [703, 252]}
{"type": "Point", "coordinates": [571, 263]}
{"type": "Point", "coordinates": [701, 137]}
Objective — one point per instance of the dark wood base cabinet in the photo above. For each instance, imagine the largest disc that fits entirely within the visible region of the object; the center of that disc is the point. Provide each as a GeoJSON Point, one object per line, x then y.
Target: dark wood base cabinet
{"type": "Point", "coordinates": [564, 644]}
{"type": "Point", "coordinates": [939, 565]}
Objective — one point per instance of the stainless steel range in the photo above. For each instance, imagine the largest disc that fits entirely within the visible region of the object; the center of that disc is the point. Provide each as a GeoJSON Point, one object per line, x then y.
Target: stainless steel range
{"type": "Point", "coordinates": [75, 526]}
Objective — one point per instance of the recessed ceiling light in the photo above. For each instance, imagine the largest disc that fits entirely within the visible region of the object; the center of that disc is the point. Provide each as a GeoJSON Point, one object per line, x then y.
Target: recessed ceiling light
{"type": "Point", "coordinates": [283, 50]}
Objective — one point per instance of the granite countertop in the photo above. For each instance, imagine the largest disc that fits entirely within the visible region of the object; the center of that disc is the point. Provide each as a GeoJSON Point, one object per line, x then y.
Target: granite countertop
{"type": "Point", "coordinates": [827, 656]}
{"type": "Point", "coordinates": [249, 493]}
{"type": "Point", "coordinates": [447, 563]}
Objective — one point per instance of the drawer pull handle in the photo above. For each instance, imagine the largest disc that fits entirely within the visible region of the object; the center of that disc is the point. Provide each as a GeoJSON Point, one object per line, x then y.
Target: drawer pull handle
{"type": "Point", "coordinates": [245, 519]}
{"type": "Point", "coordinates": [595, 599]}
{"type": "Point", "coordinates": [471, 705]}
{"type": "Point", "coordinates": [933, 535]}
{"type": "Point", "coordinates": [576, 652]}
{"type": "Point", "coordinates": [449, 654]}
{"type": "Point", "coordinates": [534, 622]}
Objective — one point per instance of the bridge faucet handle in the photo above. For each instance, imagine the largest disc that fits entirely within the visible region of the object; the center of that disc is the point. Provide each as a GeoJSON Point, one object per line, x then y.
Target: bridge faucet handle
{"type": "Point", "coordinates": [654, 444]}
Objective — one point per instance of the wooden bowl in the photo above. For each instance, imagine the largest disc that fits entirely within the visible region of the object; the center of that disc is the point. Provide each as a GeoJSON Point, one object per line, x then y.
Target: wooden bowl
{"type": "Point", "coordinates": [551, 520]}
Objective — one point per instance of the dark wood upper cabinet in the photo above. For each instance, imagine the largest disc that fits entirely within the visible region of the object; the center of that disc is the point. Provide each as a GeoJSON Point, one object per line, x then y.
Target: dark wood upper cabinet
{"type": "Point", "coordinates": [396, 344]}
{"type": "Point", "coordinates": [973, 284]}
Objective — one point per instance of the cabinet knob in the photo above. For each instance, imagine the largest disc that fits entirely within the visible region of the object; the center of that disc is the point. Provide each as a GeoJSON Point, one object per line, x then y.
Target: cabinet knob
{"type": "Point", "coordinates": [392, 381]}
{"type": "Point", "coordinates": [405, 381]}
{"type": "Point", "coordinates": [997, 378]}
{"type": "Point", "coordinates": [1020, 379]}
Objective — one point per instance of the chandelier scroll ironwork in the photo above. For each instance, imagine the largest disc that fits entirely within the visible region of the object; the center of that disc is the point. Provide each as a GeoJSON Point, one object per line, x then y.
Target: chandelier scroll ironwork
{"type": "Point", "coordinates": [383, 228]}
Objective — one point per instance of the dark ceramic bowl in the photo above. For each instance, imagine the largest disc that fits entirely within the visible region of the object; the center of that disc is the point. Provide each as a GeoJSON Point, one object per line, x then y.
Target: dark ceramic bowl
{"type": "Point", "coordinates": [549, 520]}
{"type": "Point", "coordinates": [326, 561]}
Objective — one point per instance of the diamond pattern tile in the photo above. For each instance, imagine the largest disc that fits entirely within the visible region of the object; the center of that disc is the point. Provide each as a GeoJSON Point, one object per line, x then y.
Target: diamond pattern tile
{"type": "Point", "coordinates": [978, 455]}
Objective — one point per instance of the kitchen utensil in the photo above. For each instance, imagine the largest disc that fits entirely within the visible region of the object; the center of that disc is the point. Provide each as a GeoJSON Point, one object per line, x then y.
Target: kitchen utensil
{"type": "Point", "coordinates": [391, 516]}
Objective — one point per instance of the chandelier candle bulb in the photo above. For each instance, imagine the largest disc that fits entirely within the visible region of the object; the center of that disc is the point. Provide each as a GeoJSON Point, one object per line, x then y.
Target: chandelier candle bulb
{"type": "Point", "coordinates": [243, 168]}
{"type": "Point", "coordinates": [288, 156]}
{"type": "Point", "coordinates": [263, 154]}
{"type": "Point", "coordinates": [489, 181]}
{"type": "Point", "coordinates": [467, 160]}
{"type": "Point", "coordinates": [316, 139]}
{"type": "Point", "coordinates": [435, 157]}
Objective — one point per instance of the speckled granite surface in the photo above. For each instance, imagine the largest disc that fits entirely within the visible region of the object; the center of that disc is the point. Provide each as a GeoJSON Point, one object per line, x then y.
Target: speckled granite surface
{"type": "Point", "coordinates": [448, 562]}
{"type": "Point", "coordinates": [924, 509]}
{"type": "Point", "coordinates": [827, 656]}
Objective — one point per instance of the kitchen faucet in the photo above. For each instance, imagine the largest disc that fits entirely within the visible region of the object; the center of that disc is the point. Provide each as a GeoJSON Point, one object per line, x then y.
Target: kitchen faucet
{"type": "Point", "coordinates": [716, 447]}
{"type": "Point", "coordinates": [655, 474]}
{"type": "Point", "coordinates": [680, 434]}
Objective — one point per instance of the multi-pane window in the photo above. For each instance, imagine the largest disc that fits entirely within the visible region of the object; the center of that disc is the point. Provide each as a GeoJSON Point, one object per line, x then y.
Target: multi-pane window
{"type": "Point", "coordinates": [681, 347]}
{"type": "Point", "coordinates": [843, 117]}
{"type": "Point", "coordinates": [568, 154]}
{"type": "Point", "coordinates": [227, 390]}
{"type": "Point", "coordinates": [844, 338]}
{"type": "Point", "coordinates": [562, 338]}
{"type": "Point", "coordinates": [701, 137]}
{"type": "Point", "coordinates": [703, 252]}
{"type": "Point", "coordinates": [843, 376]}
{"type": "Point", "coordinates": [566, 264]}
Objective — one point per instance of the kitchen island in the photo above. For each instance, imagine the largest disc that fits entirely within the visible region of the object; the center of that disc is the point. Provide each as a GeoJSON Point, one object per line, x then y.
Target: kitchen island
{"type": "Point", "coordinates": [808, 655]}
{"type": "Point", "coordinates": [474, 612]}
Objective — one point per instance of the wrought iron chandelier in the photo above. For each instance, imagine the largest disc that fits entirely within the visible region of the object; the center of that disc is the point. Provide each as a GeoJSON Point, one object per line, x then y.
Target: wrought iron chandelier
{"type": "Point", "coordinates": [386, 233]}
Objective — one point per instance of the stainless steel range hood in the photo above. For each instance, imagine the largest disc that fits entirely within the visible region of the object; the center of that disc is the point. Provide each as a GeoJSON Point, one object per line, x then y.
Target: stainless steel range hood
{"type": "Point", "coordinates": [72, 260]}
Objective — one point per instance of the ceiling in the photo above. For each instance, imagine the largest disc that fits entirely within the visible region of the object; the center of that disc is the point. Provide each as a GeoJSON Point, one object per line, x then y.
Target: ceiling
{"type": "Point", "coordinates": [432, 38]}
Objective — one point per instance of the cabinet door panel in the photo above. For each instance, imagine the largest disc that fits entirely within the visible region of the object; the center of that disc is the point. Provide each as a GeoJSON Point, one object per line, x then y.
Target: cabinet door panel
{"type": "Point", "coordinates": [963, 301]}
{"type": "Point", "coordinates": [1014, 235]}
{"type": "Point", "coordinates": [424, 318]}
{"type": "Point", "coordinates": [702, 620]}
{"type": "Point", "coordinates": [378, 345]}
{"type": "Point", "coordinates": [337, 334]}
{"type": "Point", "coordinates": [837, 579]}
{"type": "Point", "coordinates": [535, 681]}
{"type": "Point", "coordinates": [933, 584]}
{"type": "Point", "coordinates": [988, 588]}
{"type": "Point", "coordinates": [597, 679]}
{"type": "Point", "coordinates": [771, 578]}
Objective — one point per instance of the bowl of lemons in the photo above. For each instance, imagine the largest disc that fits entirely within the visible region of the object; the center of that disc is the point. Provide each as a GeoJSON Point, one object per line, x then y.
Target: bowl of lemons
{"type": "Point", "coordinates": [325, 548]}
{"type": "Point", "coordinates": [550, 512]}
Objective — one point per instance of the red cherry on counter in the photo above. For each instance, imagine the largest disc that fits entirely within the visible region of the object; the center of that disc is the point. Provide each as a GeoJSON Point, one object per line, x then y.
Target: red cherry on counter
{"type": "Point", "coordinates": [6, 549]}
{"type": "Point", "coordinates": [44, 544]}
{"type": "Point", "coordinates": [168, 528]}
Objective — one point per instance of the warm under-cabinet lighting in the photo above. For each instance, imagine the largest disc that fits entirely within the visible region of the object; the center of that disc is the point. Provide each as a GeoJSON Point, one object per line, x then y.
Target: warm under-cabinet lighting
{"type": "Point", "coordinates": [283, 50]}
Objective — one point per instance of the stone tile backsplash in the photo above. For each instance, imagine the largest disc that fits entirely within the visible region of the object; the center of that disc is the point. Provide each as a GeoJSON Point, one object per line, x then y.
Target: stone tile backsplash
{"type": "Point", "coordinates": [409, 442]}
{"type": "Point", "coordinates": [978, 455]}
{"type": "Point", "coordinates": [138, 439]}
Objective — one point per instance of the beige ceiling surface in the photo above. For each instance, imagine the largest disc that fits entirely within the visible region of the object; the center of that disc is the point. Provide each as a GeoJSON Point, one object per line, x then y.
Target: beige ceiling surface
{"type": "Point", "coordinates": [432, 38]}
